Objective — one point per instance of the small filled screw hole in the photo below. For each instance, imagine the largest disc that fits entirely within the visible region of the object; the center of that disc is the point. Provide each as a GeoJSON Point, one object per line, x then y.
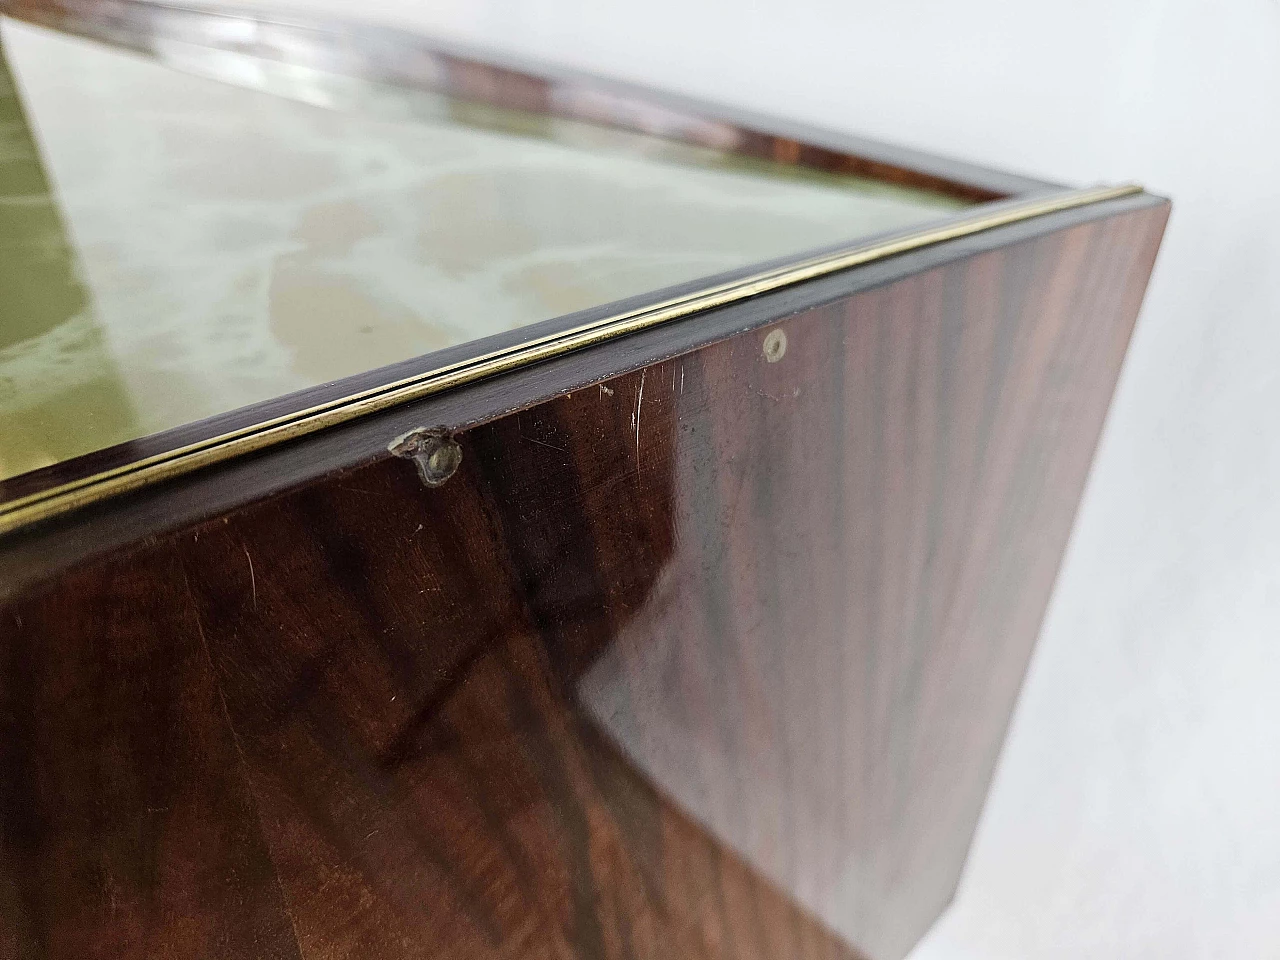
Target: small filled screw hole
{"type": "Point", "coordinates": [775, 346]}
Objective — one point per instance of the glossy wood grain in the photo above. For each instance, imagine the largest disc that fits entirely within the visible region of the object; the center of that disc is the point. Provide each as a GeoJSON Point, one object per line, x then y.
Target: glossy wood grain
{"type": "Point", "coordinates": [126, 827]}
{"type": "Point", "coordinates": [712, 658]}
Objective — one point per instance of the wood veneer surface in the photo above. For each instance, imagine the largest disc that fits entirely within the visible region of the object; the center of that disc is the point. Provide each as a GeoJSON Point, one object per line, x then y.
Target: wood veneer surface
{"type": "Point", "coordinates": [710, 659]}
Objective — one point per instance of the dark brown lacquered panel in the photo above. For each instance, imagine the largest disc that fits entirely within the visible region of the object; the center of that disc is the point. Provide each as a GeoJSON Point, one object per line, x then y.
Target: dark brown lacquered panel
{"type": "Point", "coordinates": [710, 659]}
{"type": "Point", "coordinates": [126, 826]}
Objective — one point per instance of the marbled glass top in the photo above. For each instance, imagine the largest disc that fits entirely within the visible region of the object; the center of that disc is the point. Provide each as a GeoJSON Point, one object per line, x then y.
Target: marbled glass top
{"type": "Point", "coordinates": [174, 247]}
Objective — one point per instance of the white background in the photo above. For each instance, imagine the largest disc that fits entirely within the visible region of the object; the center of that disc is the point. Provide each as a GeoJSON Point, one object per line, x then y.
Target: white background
{"type": "Point", "coordinates": [1136, 810]}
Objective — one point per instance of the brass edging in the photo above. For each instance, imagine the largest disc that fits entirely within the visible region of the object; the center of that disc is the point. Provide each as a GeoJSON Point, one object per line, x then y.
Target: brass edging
{"type": "Point", "coordinates": [45, 504]}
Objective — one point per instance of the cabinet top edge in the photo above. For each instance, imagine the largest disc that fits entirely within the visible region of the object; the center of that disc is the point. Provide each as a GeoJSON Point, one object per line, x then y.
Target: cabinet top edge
{"type": "Point", "coordinates": [59, 498]}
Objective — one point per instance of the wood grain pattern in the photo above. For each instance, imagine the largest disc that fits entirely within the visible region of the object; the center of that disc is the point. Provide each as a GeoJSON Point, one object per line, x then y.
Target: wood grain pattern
{"type": "Point", "coordinates": [126, 829]}
{"type": "Point", "coordinates": [711, 659]}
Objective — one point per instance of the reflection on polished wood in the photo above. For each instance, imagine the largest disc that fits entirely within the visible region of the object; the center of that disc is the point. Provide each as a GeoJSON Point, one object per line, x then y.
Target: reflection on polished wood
{"type": "Point", "coordinates": [710, 659]}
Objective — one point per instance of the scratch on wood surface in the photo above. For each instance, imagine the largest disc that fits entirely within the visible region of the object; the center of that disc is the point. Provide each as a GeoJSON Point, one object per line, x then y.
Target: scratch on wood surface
{"type": "Point", "coordinates": [635, 417]}
{"type": "Point", "coordinates": [253, 581]}
{"type": "Point", "coordinates": [541, 443]}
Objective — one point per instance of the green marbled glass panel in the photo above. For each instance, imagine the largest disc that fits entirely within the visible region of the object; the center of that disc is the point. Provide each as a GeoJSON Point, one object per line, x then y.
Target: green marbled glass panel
{"type": "Point", "coordinates": [176, 246]}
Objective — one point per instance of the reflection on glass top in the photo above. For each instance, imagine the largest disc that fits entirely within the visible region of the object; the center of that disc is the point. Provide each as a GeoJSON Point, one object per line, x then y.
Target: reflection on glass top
{"type": "Point", "coordinates": [174, 247]}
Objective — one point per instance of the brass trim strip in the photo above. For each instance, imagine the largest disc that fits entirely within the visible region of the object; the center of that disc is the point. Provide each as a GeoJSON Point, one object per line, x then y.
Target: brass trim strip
{"type": "Point", "coordinates": [174, 463]}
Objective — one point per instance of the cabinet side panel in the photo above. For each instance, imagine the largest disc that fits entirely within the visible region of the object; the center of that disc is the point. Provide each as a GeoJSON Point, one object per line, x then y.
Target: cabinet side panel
{"type": "Point", "coordinates": [867, 532]}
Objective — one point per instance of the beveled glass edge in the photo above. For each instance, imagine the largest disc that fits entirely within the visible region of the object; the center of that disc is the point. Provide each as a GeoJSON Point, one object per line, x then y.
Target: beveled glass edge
{"type": "Point", "coordinates": [54, 501]}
